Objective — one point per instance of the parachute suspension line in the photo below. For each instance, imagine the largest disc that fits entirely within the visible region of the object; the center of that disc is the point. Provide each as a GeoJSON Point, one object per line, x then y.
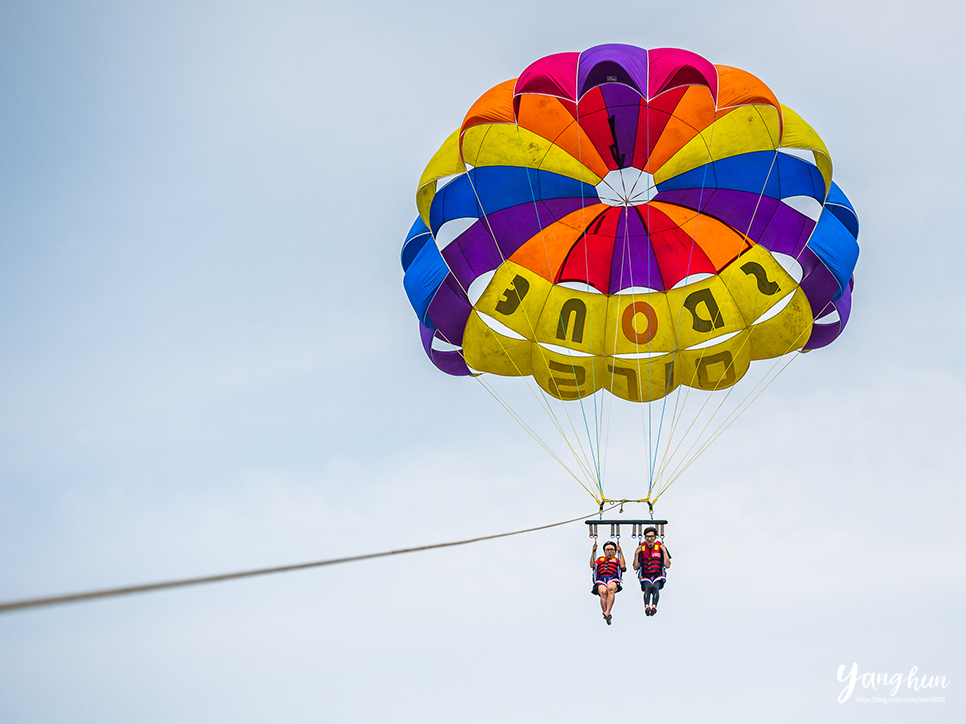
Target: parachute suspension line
{"type": "Point", "coordinates": [648, 421]}
{"type": "Point", "coordinates": [684, 437]}
{"type": "Point", "coordinates": [648, 424]}
{"type": "Point", "coordinates": [652, 440]}
{"type": "Point", "coordinates": [540, 401]}
{"type": "Point", "coordinates": [530, 431]}
{"type": "Point", "coordinates": [680, 406]}
{"type": "Point", "coordinates": [537, 438]}
{"type": "Point", "coordinates": [626, 211]}
{"type": "Point", "coordinates": [738, 411]}
{"type": "Point", "coordinates": [593, 367]}
{"type": "Point", "coordinates": [669, 454]}
{"type": "Point", "coordinates": [624, 256]}
{"type": "Point", "coordinates": [602, 433]}
{"type": "Point", "coordinates": [645, 417]}
{"type": "Point", "coordinates": [734, 415]}
{"type": "Point", "coordinates": [594, 457]}
{"type": "Point", "coordinates": [547, 407]}
{"type": "Point", "coordinates": [679, 409]}
{"type": "Point", "coordinates": [489, 388]}
{"type": "Point", "coordinates": [735, 412]}
{"type": "Point", "coordinates": [745, 402]}
{"type": "Point", "coordinates": [718, 433]}
{"type": "Point", "coordinates": [761, 194]}
{"type": "Point", "coordinates": [28, 603]}
{"type": "Point", "coordinates": [606, 426]}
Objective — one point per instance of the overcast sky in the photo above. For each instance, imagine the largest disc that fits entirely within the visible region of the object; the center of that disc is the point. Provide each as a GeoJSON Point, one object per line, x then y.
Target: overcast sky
{"type": "Point", "coordinates": [208, 363]}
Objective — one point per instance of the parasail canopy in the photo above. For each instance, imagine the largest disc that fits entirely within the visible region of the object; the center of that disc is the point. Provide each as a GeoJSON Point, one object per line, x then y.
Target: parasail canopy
{"type": "Point", "coordinates": [637, 222]}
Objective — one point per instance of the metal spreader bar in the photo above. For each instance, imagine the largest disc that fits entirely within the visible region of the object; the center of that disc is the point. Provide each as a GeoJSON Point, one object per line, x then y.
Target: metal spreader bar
{"type": "Point", "coordinates": [637, 527]}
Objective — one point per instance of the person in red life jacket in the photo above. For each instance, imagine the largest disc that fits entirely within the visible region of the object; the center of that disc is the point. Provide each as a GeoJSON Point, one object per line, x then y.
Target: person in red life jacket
{"type": "Point", "coordinates": [607, 575]}
{"type": "Point", "coordinates": [651, 562]}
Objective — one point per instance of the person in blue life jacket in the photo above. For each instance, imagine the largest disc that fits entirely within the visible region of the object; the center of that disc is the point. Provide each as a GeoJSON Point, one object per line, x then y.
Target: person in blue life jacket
{"type": "Point", "coordinates": [607, 575]}
{"type": "Point", "coordinates": [651, 561]}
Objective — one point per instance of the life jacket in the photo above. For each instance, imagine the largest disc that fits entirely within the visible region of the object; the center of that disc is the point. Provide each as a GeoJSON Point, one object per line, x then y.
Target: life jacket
{"type": "Point", "coordinates": [651, 562]}
{"type": "Point", "coordinates": [607, 568]}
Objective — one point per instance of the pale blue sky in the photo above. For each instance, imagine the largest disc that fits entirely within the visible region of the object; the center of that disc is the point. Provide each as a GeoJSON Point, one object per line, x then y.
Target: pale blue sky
{"type": "Point", "coordinates": [207, 363]}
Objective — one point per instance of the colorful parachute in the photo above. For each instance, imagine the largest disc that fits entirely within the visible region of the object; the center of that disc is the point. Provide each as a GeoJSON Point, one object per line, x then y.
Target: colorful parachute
{"type": "Point", "coordinates": [628, 220]}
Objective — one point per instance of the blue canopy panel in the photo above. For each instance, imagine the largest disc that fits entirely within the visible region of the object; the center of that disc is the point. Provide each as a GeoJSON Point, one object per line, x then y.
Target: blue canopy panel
{"type": "Point", "coordinates": [423, 277]}
{"type": "Point", "coordinates": [418, 235]}
{"type": "Point", "coordinates": [489, 189]}
{"type": "Point", "coordinates": [838, 204]}
{"type": "Point", "coordinates": [834, 244]}
{"type": "Point", "coordinates": [766, 173]}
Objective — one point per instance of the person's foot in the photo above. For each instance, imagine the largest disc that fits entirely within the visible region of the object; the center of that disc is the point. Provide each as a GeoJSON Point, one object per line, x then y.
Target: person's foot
{"type": "Point", "coordinates": [654, 610]}
{"type": "Point", "coordinates": [607, 617]}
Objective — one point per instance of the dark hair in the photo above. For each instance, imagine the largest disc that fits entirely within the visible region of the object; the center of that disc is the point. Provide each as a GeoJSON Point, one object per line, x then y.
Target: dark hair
{"type": "Point", "coordinates": [610, 543]}
{"type": "Point", "coordinates": [650, 529]}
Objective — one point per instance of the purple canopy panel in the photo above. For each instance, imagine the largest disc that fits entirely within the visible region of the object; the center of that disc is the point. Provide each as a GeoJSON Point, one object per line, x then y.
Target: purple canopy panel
{"type": "Point", "coordinates": [475, 252]}
{"type": "Point", "coordinates": [787, 231]}
{"type": "Point", "coordinates": [450, 310]}
{"type": "Point", "coordinates": [818, 283]}
{"type": "Point", "coordinates": [556, 209]}
{"type": "Point", "coordinates": [426, 337]}
{"type": "Point", "coordinates": [633, 263]}
{"type": "Point", "coordinates": [844, 303]}
{"type": "Point", "coordinates": [822, 335]}
{"type": "Point", "coordinates": [767, 221]}
{"type": "Point", "coordinates": [625, 62]}
{"type": "Point", "coordinates": [449, 362]}
{"type": "Point", "coordinates": [688, 198]}
{"type": "Point", "coordinates": [514, 226]}
{"type": "Point", "coordinates": [471, 254]}
{"type": "Point", "coordinates": [624, 104]}
{"type": "Point", "coordinates": [825, 334]}
{"type": "Point", "coordinates": [745, 212]}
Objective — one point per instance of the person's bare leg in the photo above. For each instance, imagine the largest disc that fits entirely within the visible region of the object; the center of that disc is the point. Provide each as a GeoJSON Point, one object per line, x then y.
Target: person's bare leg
{"type": "Point", "coordinates": [602, 592]}
{"type": "Point", "coordinates": [611, 593]}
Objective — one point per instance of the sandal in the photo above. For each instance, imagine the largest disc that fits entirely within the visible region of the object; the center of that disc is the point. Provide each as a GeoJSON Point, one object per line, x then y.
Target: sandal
{"type": "Point", "coordinates": [607, 618]}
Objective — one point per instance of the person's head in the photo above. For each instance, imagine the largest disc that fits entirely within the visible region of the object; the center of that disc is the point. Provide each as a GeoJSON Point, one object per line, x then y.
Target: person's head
{"type": "Point", "coordinates": [650, 535]}
{"type": "Point", "coordinates": [610, 549]}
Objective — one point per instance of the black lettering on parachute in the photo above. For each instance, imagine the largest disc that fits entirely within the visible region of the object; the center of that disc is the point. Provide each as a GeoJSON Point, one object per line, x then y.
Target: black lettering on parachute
{"type": "Point", "coordinates": [765, 285]}
{"type": "Point", "coordinates": [513, 295]}
{"type": "Point", "coordinates": [700, 324]}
